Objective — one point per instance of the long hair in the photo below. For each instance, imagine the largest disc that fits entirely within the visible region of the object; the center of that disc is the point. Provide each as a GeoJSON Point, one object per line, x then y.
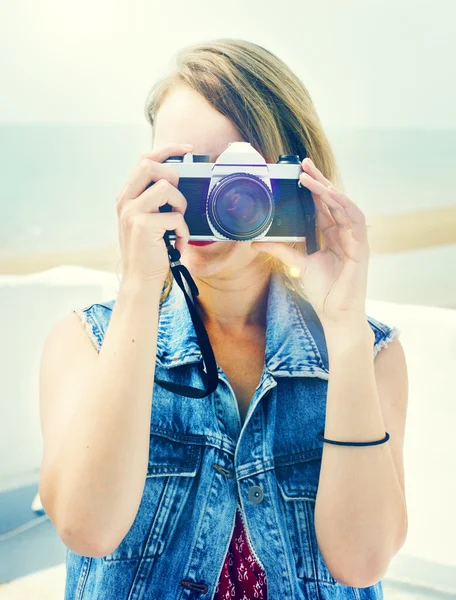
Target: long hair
{"type": "Point", "coordinates": [264, 99]}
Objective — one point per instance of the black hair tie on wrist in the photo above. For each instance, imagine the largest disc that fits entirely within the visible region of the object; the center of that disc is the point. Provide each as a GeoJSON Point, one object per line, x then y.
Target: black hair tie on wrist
{"type": "Point", "coordinates": [382, 441]}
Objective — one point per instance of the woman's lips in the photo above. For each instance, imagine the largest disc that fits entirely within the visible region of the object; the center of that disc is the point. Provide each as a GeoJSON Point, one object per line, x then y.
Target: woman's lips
{"type": "Point", "coordinates": [195, 243]}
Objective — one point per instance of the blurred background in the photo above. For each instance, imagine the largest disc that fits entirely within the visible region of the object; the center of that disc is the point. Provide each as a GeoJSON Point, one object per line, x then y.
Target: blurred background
{"type": "Point", "coordinates": [72, 127]}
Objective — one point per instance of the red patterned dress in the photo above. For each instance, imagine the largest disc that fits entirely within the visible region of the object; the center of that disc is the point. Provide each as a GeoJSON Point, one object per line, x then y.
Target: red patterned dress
{"type": "Point", "coordinates": [241, 578]}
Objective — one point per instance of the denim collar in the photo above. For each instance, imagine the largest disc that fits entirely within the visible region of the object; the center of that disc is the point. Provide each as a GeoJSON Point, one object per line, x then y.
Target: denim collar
{"type": "Point", "coordinates": [295, 343]}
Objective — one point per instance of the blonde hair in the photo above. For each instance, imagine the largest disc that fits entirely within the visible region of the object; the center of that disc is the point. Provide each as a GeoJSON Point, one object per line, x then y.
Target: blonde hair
{"type": "Point", "coordinates": [264, 99]}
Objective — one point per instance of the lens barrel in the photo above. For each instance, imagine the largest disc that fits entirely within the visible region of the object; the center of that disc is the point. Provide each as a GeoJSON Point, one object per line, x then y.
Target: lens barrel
{"type": "Point", "coordinates": [240, 206]}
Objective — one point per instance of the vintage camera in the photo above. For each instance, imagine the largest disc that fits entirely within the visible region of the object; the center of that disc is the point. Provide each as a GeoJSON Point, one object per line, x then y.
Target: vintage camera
{"type": "Point", "coordinates": [240, 197]}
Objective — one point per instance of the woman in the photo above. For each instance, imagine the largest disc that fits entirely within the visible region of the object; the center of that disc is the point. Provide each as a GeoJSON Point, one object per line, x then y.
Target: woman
{"type": "Point", "coordinates": [234, 495]}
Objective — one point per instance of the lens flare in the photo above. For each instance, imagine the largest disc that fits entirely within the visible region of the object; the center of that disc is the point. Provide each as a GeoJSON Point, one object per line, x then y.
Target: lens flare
{"type": "Point", "coordinates": [295, 271]}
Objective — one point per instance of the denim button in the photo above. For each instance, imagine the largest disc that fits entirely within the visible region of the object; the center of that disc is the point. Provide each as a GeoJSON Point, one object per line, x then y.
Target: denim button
{"type": "Point", "coordinates": [256, 494]}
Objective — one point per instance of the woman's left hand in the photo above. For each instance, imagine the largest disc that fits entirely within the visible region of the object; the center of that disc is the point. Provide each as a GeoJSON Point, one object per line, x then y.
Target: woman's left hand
{"type": "Point", "coordinates": [335, 279]}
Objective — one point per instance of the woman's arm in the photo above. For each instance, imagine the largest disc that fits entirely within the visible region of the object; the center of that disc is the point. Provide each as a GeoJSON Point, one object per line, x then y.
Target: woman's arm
{"type": "Point", "coordinates": [95, 416]}
{"type": "Point", "coordinates": [360, 510]}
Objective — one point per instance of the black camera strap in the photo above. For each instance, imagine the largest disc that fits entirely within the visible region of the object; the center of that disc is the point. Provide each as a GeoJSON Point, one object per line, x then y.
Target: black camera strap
{"type": "Point", "coordinates": [210, 378]}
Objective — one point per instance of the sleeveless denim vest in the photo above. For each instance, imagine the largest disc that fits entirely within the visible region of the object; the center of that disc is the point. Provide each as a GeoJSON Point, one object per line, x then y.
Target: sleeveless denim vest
{"type": "Point", "coordinates": [202, 464]}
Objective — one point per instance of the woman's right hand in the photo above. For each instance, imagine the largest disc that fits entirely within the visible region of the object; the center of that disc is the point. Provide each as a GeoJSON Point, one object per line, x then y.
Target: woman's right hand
{"type": "Point", "coordinates": [141, 224]}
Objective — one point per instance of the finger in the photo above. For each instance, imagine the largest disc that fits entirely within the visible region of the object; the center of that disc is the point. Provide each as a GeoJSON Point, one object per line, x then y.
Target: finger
{"type": "Point", "coordinates": [159, 194]}
{"type": "Point", "coordinates": [182, 234]}
{"type": "Point", "coordinates": [178, 225]}
{"type": "Point", "coordinates": [145, 174]}
{"type": "Point", "coordinates": [312, 170]}
{"type": "Point", "coordinates": [164, 152]}
{"type": "Point", "coordinates": [335, 242]}
{"type": "Point", "coordinates": [337, 210]}
{"type": "Point", "coordinates": [149, 169]}
{"type": "Point", "coordinates": [323, 215]}
{"type": "Point", "coordinates": [328, 227]}
{"type": "Point", "coordinates": [353, 211]}
{"type": "Point", "coordinates": [347, 216]}
{"type": "Point", "coordinates": [330, 232]}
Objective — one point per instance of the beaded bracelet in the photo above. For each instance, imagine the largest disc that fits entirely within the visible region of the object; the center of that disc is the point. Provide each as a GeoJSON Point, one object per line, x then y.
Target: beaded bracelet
{"type": "Point", "coordinates": [320, 437]}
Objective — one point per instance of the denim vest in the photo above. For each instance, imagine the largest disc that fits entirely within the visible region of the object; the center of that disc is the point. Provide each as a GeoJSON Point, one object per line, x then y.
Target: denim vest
{"type": "Point", "coordinates": [203, 464]}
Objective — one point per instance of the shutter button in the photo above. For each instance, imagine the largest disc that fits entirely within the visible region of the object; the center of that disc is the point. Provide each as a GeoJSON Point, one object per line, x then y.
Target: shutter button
{"type": "Point", "coordinates": [256, 494]}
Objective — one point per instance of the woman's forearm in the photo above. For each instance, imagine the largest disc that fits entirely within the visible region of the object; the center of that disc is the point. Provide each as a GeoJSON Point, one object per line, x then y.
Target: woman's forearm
{"type": "Point", "coordinates": [360, 509]}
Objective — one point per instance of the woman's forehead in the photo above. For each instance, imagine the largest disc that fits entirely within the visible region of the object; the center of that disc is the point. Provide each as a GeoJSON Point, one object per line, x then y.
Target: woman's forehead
{"type": "Point", "coordinates": [186, 117]}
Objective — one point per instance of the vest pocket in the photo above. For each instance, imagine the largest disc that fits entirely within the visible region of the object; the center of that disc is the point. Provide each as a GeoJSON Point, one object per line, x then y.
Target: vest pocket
{"type": "Point", "coordinates": [173, 464]}
{"type": "Point", "coordinates": [297, 478]}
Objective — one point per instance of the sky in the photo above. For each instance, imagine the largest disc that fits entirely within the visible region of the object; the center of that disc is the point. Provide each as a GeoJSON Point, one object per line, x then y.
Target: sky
{"type": "Point", "coordinates": [366, 63]}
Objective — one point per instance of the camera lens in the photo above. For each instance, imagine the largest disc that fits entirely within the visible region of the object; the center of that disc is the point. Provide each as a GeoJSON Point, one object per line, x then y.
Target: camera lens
{"type": "Point", "coordinates": [240, 206]}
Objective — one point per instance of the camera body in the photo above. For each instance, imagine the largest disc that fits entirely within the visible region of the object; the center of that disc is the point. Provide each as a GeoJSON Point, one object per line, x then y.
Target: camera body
{"type": "Point", "coordinates": [240, 197]}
